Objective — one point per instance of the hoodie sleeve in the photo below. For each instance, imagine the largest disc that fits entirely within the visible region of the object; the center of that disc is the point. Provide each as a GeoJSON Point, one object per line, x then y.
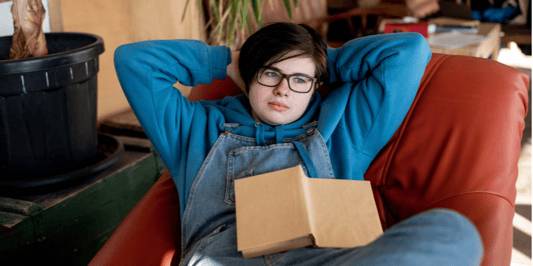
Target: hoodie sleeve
{"type": "Point", "coordinates": [147, 72]}
{"type": "Point", "coordinates": [380, 76]}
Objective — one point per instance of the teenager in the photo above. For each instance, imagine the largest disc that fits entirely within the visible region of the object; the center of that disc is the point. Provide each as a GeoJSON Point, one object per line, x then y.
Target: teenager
{"type": "Point", "coordinates": [279, 122]}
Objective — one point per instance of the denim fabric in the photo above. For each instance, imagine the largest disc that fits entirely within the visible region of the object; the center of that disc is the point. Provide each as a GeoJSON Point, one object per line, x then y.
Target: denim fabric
{"type": "Point", "coordinates": [434, 237]}
{"type": "Point", "coordinates": [437, 237]}
{"type": "Point", "coordinates": [212, 202]}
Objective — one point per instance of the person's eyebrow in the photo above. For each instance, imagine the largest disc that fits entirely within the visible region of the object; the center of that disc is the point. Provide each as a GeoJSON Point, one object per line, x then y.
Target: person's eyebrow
{"type": "Point", "coordinates": [297, 73]}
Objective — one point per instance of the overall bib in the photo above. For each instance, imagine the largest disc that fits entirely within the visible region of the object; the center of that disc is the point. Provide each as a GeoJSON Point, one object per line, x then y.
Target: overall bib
{"type": "Point", "coordinates": [209, 231]}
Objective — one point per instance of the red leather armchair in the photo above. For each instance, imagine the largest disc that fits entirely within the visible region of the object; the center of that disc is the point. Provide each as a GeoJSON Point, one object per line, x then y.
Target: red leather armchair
{"type": "Point", "coordinates": [457, 148]}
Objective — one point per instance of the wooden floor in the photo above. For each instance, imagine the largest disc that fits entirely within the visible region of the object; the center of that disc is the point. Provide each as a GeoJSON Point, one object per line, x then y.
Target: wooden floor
{"type": "Point", "coordinates": [520, 34]}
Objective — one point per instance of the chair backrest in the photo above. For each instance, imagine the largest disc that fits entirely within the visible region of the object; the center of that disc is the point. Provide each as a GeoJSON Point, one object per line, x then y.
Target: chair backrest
{"type": "Point", "coordinates": [457, 148]}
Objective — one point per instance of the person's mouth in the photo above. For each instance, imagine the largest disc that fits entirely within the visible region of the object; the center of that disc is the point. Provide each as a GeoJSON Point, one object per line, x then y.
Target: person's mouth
{"type": "Point", "coordinates": [277, 106]}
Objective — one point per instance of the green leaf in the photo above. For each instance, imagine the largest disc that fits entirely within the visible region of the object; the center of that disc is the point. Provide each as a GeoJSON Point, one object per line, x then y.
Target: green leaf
{"type": "Point", "coordinates": [258, 13]}
{"type": "Point", "coordinates": [254, 5]}
{"type": "Point", "coordinates": [217, 28]}
{"type": "Point", "coordinates": [295, 3]}
{"type": "Point", "coordinates": [248, 18]}
{"type": "Point", "coordinates": [244, 13]}
{"type": "Point", "coordinates": [288, 7]}
{"type": "Point", "coordinates": [234, 7]}
{"type": "Point", "coordinates": [184, 11]}
{"type": "Point", "coordinates": [249, 22]}
{"type": "Point", "coordinates": [215, 9]}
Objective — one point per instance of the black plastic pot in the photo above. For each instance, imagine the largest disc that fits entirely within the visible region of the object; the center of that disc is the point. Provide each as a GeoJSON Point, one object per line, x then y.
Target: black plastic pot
{"type": "Point", "coordinates": [48, 105]}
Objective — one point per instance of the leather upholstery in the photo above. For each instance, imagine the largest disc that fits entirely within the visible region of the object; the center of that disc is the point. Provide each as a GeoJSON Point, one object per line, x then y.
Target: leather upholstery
{"type": "Point", "coordinates": [458, 148]}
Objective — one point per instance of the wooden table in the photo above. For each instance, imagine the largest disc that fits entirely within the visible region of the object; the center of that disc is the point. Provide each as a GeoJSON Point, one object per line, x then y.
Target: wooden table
{"type": "Point", "coordinates": [68, 227]}
{"type": "Point", "coordinates": [487, 48]}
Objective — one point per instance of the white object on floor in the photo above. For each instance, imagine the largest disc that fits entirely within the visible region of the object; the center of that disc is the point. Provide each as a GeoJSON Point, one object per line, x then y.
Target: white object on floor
{"type": "Point", "coordinates": [454, 39]}
{"type": "Point", "coordinates": [518, 264]}
{"type": "Point", "coordinates": [514, 57]}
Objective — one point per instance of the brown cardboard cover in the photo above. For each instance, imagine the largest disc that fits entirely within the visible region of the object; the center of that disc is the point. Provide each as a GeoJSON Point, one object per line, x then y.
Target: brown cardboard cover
{"type": "Point", "coordinates": [285, 210]}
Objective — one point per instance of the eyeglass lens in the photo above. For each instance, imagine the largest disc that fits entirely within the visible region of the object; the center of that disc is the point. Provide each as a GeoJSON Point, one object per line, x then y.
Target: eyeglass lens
{"type": "Point", "coordinates": [297, 82]}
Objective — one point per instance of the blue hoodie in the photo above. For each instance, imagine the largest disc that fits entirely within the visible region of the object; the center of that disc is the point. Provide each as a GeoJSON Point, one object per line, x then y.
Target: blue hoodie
{"type": "Point", "coordinates": [376, 80]}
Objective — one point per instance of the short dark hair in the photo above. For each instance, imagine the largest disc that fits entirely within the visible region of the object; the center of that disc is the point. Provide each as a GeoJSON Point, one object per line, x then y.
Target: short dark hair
{"type": "Point", "coordinates": [271, 43]}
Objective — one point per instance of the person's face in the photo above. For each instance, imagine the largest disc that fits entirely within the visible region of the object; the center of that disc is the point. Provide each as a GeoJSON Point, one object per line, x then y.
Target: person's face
{"type": "Point", "coordinates": [280, 105]}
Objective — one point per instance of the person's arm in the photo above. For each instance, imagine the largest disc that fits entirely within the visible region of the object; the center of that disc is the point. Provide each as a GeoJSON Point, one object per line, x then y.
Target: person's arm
{"type": "Point", "coordinates": [147, 72]}
{"type": "Point", "coordinates": [382, 75]}
{"type": "Point", "coordinates": [234, 73]}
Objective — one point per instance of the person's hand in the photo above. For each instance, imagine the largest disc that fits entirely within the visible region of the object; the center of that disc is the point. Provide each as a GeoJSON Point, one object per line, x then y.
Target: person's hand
{"type": "Point", "coordinates": [234, 72]}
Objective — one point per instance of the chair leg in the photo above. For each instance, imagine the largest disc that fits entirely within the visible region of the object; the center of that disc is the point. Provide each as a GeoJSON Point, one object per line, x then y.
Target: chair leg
{"type": "Point", "coordinates": [353, 31]}
{"type": "Point", "coordinates": [364, 23]}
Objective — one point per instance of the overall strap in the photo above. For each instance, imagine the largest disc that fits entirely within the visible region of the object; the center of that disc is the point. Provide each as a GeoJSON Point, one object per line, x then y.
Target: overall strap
{"type": "Point", "coordinates": [279, 134]}
{"type": "Point", "coordinates": [230, 127]}
{"type": "Point", "coordinates": [260, 134]}
{"type": "Point", "coordinates": [306, 158]}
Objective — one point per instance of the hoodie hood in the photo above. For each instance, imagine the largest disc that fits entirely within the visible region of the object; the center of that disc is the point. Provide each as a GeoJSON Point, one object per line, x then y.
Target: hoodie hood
{"type": "Point", "coordinates": [237, 110]}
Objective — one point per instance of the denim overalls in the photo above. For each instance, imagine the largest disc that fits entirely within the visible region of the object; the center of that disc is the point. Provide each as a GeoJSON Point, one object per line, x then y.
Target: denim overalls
{"type": "Point", "coordinates": [209, 232]}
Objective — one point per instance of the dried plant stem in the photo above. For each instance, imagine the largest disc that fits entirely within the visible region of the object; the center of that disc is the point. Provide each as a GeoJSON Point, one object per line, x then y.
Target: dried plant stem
{"type": "Point", "coordinates": [228, 18]}
{"type": "Point", "coordinates": [28, 36]}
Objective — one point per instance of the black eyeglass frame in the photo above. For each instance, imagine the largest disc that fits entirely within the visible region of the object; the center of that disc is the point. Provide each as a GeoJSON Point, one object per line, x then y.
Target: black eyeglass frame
{"type": "Point", "coordinates": [285, 76]}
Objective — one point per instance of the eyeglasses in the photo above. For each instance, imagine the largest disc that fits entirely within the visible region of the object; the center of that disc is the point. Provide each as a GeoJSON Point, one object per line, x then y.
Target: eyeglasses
{"type": "Point", "coordinates": [298, 82]}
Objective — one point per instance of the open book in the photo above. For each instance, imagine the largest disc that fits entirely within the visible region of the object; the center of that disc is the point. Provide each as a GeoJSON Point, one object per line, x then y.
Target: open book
{"type": "Point", "coordinates": [285, 210]}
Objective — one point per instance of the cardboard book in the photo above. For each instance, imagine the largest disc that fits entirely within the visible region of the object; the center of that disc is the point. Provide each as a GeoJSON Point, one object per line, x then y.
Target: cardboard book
{"type": "Point", "coordinates": [285, 210]}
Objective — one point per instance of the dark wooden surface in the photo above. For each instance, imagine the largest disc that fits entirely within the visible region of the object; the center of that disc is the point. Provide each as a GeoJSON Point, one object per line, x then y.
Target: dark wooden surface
{"type": "Point", "coordinates": [521, 34]}
{"type": "Point", "coordinates": [125, 124]}
{"type": "Point", "coordinates": [68, 227]}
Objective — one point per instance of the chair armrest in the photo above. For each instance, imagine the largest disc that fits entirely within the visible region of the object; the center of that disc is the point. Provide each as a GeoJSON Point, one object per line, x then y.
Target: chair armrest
{"type": "Point", "coordinates": [150, 233]}
{"type": "Point", "coordinates": [493, 217]}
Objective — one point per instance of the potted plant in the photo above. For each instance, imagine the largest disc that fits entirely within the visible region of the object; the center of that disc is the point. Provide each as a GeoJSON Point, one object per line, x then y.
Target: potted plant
{"type": "Point", "coordinates": [227, 20]}
{"type": "Point", "coordinates": [47, 96]}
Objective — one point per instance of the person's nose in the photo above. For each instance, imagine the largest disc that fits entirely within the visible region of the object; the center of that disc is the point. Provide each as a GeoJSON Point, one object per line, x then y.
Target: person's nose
{"type": "Point", "coordinates": [283, 88]}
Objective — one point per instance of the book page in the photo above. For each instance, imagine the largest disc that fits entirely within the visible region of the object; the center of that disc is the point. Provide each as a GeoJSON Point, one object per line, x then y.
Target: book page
{"type": "Point", "coordinates": [345, 213]}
